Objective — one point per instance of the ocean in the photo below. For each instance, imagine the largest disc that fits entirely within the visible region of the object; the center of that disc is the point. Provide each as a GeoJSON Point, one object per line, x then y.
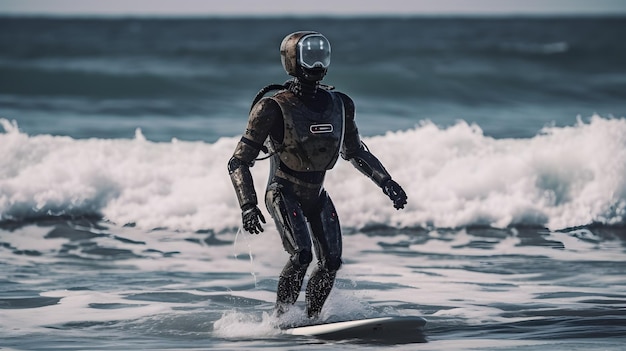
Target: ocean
{"type": "Point", "coordinates": [119, 227]}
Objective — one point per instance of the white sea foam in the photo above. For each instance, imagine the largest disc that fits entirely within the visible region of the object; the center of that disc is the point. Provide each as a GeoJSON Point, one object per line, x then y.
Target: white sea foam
{"type": "Point", "coordinates": [234, 324]}
{"type": "Point", "coordinates": [457, 176]}
{"type": "Point", "coordinates": [563, 177]}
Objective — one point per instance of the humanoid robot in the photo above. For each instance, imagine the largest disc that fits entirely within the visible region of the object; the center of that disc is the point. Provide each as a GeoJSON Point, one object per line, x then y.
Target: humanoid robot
{"type": "Point", "coordinates": [304, 127]}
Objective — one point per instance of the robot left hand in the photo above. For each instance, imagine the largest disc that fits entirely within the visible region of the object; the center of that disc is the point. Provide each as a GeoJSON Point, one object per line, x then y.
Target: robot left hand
{"type": "Point", "coordinates": [395, 193]}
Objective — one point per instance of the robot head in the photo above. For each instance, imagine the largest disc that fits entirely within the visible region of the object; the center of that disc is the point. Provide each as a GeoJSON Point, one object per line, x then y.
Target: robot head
{"type": "Point", "coordinates": [305, 55]}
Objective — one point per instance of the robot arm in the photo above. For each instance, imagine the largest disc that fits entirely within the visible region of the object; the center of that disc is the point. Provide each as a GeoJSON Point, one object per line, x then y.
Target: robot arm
{"type": "Point", "coordinates": [262, 117]}
{"type": "Point", "coordinates": [368, 164]}
{"type": "Point", "coordinates": [242, 181]}
{"type": "Point", "coordinates": [356, 152]}
{"type": "Point", "coordinates": [246, 195]}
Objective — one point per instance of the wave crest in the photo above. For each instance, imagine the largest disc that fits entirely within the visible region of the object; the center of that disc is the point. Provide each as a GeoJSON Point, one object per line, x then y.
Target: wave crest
{"type": "Point", "coordinates": [454, 177]}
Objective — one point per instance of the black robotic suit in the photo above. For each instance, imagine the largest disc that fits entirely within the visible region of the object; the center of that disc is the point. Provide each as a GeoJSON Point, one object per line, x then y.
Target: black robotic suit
{"type": "Point", "coordinates": [306, 127]}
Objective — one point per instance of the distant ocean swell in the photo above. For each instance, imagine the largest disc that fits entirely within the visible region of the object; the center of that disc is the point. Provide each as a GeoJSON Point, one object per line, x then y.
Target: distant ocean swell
{"type": "Point", "coordinates": [172, 58]}
{"type": "Point", "coordinates": [564, 177]}
{"type": "Point", "coordinates": [492, 74]}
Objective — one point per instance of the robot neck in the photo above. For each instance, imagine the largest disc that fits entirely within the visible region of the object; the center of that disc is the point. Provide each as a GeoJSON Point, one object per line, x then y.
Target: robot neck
{"type": "Point", "coordinates": [304, 89]}
{"type": "Point", "coordinates": [310, 93]}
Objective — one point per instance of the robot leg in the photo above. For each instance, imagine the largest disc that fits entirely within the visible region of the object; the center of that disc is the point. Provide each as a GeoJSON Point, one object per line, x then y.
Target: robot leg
{"type": "Point", "coordinates": [294, 232]}
{"type": "Point", "coordinates": [328, 246]}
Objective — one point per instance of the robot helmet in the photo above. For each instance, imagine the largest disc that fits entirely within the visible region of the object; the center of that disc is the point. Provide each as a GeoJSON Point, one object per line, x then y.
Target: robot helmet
{"type": "Point", "coordinates": [305, 54]}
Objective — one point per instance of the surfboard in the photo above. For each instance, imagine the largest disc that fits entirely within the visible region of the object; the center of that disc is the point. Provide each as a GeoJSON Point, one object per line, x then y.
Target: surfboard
{"type": "Point", "coordinates": [392, 330]}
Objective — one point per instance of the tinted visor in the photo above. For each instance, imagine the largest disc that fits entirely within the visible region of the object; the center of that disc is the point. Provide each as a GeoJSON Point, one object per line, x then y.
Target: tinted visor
{"type": "Point", "coordinates": [314, 51]}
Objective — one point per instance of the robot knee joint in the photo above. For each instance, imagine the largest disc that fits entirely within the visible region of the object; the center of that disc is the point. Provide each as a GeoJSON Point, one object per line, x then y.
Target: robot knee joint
{"type": "Point", "coordinates": [303, 258]}
{"type": "Point", "coordinates": [333, 264]}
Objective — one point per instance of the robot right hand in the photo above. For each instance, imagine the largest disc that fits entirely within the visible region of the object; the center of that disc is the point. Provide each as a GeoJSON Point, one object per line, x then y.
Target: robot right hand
{"type": "Point", "coordinates": [252, 217]}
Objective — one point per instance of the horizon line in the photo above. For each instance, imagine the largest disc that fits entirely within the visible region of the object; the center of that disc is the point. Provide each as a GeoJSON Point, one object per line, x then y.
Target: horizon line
{"type": "Point", "coordinates": [311, 15]}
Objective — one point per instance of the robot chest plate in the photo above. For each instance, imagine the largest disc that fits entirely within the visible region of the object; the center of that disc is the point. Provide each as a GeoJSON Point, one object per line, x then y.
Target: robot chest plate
{"type": "Point", "coordinates": [312, 140]}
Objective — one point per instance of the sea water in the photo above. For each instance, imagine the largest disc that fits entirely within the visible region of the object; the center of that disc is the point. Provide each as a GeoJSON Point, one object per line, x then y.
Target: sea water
{"type": "Point", "coordinates": [120, 228]}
